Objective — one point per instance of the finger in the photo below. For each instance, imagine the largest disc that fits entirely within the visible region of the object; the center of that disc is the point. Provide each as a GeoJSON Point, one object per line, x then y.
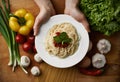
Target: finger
{"type": "Point", "coordinates": [67, 12]}
{"type": "Point", "coordinates": [84, 21]}
{"type": "Point", "coordinates": [81, 18]}
{"type": "Point", "coordinates": [86, 25]}
{"type": "Point", "coordinates": [37, 24]}
{"type": "Point", "coordinates": [53, 12]}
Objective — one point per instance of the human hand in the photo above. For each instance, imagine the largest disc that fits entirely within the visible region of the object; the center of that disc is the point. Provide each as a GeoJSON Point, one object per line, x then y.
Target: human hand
{"type": "Point", "coordinates": [72, 10]}
{"type": "Point", "coordinates": [46, 10]}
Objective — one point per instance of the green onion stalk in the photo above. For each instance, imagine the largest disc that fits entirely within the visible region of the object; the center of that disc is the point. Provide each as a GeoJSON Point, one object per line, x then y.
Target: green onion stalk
{"type": "Point", "coordinates": [9, 36]}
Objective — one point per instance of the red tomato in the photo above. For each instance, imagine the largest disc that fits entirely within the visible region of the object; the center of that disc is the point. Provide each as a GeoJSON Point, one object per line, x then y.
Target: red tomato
{"type": "Point", "coordinates": [57, 33]}
{"type": "Point", "coordinates": [31, 39]}
{"type": "Point", "coordinates": [27, 47]}
{"type": "Point", "coordinates": [20, 38]}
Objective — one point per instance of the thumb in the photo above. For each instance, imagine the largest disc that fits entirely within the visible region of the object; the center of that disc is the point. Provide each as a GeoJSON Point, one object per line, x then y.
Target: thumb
{"type": "Point", "coordinates": [86, 25]}
{"type": "Point", "coordinates": [38, 22]}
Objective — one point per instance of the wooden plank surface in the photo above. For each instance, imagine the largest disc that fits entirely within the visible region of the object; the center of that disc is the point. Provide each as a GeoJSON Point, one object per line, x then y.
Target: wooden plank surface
{"type": "Point", "coordinates": [51, 74]}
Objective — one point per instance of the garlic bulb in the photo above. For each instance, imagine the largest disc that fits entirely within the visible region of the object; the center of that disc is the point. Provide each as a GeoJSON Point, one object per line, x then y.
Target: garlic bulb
{"type": "Point", "coordinates": [104, 46]}
{"type": "Point", "coordinates": [37, 58]}
{"type": "Point", "coordinates": [35, 71]}
{"type": "Point", "coordinates": [25, 61]}
{"type": "Point", "coordinates": [98, 60]}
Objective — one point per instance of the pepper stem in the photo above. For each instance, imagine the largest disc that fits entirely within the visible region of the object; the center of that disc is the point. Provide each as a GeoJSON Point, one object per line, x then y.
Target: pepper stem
{"type": "Point", "coordinates": [21, 20]}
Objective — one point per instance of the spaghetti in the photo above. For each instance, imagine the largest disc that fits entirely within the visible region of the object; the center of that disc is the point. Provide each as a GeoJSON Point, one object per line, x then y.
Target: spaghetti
{"type": "Point", "coordinates": [58, 51]}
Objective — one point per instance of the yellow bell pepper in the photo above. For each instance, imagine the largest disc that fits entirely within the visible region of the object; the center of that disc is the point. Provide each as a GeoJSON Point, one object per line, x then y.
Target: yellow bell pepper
{"type": "Point", "coordinates": [21, 21]}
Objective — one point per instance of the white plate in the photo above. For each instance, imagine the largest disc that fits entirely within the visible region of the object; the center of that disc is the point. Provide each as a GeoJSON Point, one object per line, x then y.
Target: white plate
{"type": "Point", "coordinates": [54, 60]}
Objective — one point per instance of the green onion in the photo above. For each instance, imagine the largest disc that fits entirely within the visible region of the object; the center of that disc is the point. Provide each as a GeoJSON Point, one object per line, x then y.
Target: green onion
{"type": "Point", "coordinates": [9, 36]}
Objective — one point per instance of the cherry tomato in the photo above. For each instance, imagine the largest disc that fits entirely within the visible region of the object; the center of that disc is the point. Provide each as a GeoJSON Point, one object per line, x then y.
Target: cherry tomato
{"type": "Point", "coordinates": [27, 47]}
{"type": "Point", "coordinates": [31, 39]}
{"type": "Point", "coordinates": [20, 38]}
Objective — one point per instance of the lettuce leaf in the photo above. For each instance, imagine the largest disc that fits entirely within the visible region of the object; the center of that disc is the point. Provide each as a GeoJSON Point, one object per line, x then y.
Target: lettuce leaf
{"type": "Point", "coordinates": [102, 15]}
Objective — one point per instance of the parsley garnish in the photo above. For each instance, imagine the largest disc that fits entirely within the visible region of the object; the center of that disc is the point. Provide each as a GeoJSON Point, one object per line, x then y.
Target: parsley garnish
{"type": "Point", "coordinates": [62, 38]}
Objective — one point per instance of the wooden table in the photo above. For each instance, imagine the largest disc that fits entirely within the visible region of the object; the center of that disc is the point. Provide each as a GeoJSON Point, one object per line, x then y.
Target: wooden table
{"type": "Point", "coordinates": [51, 74]}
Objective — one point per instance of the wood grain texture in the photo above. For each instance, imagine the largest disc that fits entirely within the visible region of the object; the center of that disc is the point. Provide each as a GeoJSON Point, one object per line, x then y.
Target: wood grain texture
{"type": "Point", "coordinates": [51, 74]}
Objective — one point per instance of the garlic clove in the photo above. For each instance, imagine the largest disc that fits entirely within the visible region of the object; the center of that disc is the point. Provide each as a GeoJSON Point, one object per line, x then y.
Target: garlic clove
{"type": "Point", "coordinates": [35, 71]}
{"type": "Point", "coordinates": [37, 58]}
{"type": "Point", "coordinates": [25, 61]}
